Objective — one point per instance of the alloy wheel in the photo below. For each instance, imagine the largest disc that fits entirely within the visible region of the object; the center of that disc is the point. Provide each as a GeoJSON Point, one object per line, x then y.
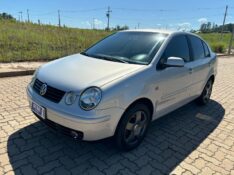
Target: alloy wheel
{"type": "Point", "coordinates": [135, 127]}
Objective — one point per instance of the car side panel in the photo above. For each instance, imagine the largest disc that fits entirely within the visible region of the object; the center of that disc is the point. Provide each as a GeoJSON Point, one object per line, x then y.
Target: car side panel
{"type": "Point", "coordinates": [174, 87]}
{"type": "Point", "coordinates": [199, 70]}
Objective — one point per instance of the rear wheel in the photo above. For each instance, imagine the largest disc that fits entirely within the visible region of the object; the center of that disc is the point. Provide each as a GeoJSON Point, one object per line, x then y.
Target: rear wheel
{"type": "Point", "coordinates": [206, 93]}
{"type": "Point", "coordinates": [133, 127]}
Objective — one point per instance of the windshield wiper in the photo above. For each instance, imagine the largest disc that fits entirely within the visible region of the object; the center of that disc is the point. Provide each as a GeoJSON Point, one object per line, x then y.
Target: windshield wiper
{"type": "Point", "coordinates": [109, 58]}
{"type": "Point", "coordinates": [84, 53]}
{"type": "Point", "coordinates": [113, 58]}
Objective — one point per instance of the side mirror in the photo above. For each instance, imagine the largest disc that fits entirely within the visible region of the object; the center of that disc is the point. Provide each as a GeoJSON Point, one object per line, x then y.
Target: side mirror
{"type": "Point", "coordinates": [174, 62]}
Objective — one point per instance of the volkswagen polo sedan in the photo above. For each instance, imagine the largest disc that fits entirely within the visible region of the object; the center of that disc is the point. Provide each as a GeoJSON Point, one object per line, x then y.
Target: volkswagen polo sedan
{"type": "Point", "coordinates": [122, 83]}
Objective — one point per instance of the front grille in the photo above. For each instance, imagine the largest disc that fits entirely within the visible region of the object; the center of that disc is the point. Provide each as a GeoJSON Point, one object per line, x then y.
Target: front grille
{"type": "Point", "coordinates": [52, 94]}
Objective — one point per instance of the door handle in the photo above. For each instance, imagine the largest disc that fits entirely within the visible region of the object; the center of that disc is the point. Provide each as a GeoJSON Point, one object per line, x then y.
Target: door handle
{"type": "Point", "coordinates": [190, 70]}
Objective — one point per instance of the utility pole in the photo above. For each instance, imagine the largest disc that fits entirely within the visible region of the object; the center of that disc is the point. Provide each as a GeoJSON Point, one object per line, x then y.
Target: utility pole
{"type": "Point", "coordinates": [231, 40]}
{"type": "Point", "coordinates": [108, 17]}
{"type": "Point", "coordinates": [224, 19]}
{"type": "Point", "coordinates": [93, 23]}
{"type": "Point", "coordinates": [138, 25]}
{"type": "Point", "coordinates": [59, 20]}
{"type": "Point", "coordinates": [28, 15]}
{"type": "Point", "coordinates": [21, 16]}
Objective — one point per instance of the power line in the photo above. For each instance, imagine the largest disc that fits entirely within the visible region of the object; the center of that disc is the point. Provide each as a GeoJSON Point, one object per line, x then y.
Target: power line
{"type": "Point", "coordinates": [83, 10]}
{"type": "Point", "coordinates": [108, 14]}
{"type": "Point", "coordinates": [165, 10]}
{"type": "Point", "coordinates": [44, 14]}
{"type": "Point", "coordinates": [165, 18]}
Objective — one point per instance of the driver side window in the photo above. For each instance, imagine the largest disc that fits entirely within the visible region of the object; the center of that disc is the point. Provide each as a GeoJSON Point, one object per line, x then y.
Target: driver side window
{"type": "Point", "coordinates": [177, 47]}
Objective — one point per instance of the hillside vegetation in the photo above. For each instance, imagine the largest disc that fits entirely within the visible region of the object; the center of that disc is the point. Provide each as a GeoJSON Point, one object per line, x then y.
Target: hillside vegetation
{"type": "Point", "coordinates": [215, 42]}
{"type": "Point", "coordinates": [33, 42]}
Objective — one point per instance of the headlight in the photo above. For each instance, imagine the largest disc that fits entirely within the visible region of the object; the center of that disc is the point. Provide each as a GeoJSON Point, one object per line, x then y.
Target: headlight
{"type": "Point", "coordinates": [90, 98]}
{"type": "Point", "coordinates": [70, 98]}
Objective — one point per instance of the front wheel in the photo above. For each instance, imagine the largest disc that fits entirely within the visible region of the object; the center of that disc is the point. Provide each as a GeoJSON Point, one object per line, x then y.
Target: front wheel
{"type": "Point", "coordinates": [204, 98]}
{"type": "Point", "coordinates": [133, 127]}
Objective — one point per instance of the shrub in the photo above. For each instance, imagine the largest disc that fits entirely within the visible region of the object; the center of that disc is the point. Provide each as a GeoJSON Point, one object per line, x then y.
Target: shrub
{"type": "Point", "coordinates": [218, 47]}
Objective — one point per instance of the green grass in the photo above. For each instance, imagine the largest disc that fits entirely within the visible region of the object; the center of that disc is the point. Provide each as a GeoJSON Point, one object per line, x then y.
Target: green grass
{"type": "Point", "coordinates": [215, 42]}
{"type": "Point", "coordinates": [32, 42]}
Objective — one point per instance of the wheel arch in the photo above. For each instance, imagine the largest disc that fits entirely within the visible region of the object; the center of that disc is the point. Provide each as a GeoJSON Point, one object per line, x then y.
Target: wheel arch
{"type": "Point", "coordinates": [212, 77]}
{"type": "Point", "coordinates": [145, 101]}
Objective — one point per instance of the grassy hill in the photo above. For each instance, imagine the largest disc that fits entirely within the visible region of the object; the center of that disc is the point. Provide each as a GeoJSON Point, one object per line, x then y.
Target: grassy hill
{"type": "Point", "coordinates": [27, 41]}
{"type": "Point", "coordinates": [214, 40]}
{"type": "Point", "coordinates": [33, 42]}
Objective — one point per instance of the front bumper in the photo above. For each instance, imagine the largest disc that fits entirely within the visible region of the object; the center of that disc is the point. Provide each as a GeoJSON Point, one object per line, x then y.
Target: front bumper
{"type": "Point", "coordinates": [89, 129]}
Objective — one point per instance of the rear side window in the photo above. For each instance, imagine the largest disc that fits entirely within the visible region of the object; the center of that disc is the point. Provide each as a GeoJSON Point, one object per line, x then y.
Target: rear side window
{"type": "Point", "coordinates": [197, 48]}
{"type": "Point", "coordinates": [207, 51]}
{"type": "Point", "coordinates": [177, 47]}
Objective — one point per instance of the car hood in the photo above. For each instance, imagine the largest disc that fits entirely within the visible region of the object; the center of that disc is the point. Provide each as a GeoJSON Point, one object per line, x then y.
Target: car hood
{"type": "Point", "coordinates": [77, 72]}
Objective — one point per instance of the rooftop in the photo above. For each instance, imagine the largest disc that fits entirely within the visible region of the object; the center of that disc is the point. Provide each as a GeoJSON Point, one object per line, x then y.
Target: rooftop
{"type": "Point", "coordinates": [151, 30]}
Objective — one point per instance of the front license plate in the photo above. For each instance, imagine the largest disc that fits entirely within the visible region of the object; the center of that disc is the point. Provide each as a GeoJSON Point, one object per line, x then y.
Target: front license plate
{"type": "Point", "coordinates": [39, 110]}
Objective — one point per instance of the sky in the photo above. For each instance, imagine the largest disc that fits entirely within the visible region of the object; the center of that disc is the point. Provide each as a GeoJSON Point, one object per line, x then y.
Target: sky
{"type": "Point", "coordinates": [162, 14]}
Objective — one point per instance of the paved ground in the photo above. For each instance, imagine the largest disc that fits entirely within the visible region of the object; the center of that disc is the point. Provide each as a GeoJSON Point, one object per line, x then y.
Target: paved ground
{"type": "Point", "coordinates": [191, 140]}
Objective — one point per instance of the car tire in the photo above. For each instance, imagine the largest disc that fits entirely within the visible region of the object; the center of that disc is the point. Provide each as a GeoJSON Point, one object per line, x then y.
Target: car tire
{"type": "Point", "coordinates": [133, 127]}
{"type": "Point", "coordinates": [204, 98]}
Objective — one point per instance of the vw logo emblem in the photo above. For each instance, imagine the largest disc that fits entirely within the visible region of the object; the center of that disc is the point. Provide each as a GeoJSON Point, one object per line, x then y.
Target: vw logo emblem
{"type": "Point", "coordinates": [43, 89]}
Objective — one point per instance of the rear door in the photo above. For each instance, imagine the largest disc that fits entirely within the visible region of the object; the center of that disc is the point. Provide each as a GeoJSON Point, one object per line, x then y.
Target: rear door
{"type": "Point", "coordinates": [199, 66]}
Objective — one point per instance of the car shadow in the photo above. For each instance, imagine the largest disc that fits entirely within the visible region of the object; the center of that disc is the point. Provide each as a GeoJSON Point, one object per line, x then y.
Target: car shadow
{"type": "Point", "coordinates": [36, 149]}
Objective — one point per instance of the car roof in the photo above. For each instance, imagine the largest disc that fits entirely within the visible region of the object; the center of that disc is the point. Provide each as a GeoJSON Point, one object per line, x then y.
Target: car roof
{"type": "Point", "coordinates": [168, 32]}
{"type": "Point", "coordinates": [150, 30]}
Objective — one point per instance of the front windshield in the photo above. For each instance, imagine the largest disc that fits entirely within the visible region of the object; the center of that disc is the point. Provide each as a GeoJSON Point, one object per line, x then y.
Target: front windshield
{"type": "Point", "coordinates": [128, 47]}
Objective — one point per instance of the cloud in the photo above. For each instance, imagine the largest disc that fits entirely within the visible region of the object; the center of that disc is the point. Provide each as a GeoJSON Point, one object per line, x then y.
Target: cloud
{"type": "Point", "coordinates": [184, 26]}
{"type": "Point", "coordinates": [87, 23]}
{"type": "Point", "coordinates": [202, 20]}
{"type": "Point", "coordinates": [97, 22]}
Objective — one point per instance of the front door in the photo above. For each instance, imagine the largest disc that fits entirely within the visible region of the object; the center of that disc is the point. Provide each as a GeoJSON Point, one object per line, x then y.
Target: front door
{"type": "Point", "coordinates": [174, 81]}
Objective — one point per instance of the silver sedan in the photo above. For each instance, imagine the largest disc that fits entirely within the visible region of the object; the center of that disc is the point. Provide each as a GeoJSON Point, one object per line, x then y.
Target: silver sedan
{"type": "Point", "coordinates": [120, 84]}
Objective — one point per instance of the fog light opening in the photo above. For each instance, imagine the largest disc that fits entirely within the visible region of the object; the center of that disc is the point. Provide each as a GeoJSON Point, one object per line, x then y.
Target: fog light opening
{"type": "Point", "coordinates": [74, 134]}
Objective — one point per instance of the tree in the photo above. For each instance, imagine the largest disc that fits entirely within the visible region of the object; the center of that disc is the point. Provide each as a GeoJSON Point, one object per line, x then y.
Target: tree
{"type": "Point", "coordinates": [6, 16]}
{"type": "Point", "coordinates": [118, 27]}
{"type": "Point", "coordinates": [203, 27]}
{"type": "Point", "coordinates": [209, 27]}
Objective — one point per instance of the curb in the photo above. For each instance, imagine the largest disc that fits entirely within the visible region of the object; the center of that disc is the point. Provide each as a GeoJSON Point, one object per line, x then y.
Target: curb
{"type": "Point", "coordinates": [16, 73]}
{"type": "Point", "coordinates": [31, 71]}
{"type": "Point", "coordinates": [224, 55]}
